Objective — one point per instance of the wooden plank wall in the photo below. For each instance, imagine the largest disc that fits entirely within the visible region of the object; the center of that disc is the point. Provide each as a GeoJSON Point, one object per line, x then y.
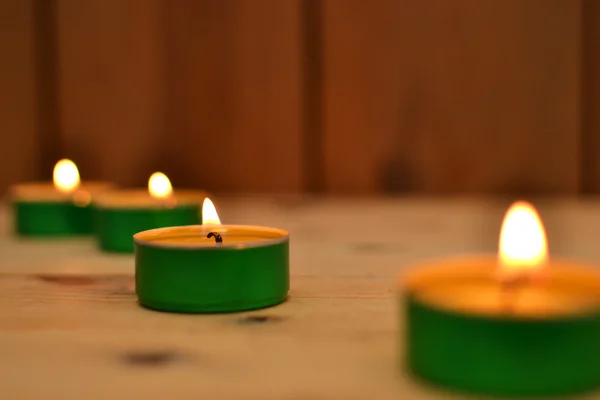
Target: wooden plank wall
{"type": "Point", "coordinates": [337, 96]}
{"type": "Point", "coordinates": [234, 97]}
{"type": "Point", "coordinates": [111, 83]}
{"type": "Point", "coordinates": [19, 122]}
{"type": "Point", "coordinates": [203, 90]}
{"type": "Point", "coordinates": [590, 133]}
{"type": "Point", "coordinates": [446, 97]}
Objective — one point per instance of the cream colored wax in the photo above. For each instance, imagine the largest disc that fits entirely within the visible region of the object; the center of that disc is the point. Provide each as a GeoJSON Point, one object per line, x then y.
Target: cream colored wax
{"type": "Point", "coordinates": [471, 286]}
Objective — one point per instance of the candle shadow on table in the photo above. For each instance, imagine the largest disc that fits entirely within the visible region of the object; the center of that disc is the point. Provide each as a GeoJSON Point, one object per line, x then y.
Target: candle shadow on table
{"type": "Point", "coordinates": [450, 393]}
{"type": "Point", "coordinates": [68, 280]}
{"type": "Point", "coordinates": [151, 358]}
{"type": "Point", "coordinates": [110, 285]}
{"type": "Point", "coordinates": [260, 319]}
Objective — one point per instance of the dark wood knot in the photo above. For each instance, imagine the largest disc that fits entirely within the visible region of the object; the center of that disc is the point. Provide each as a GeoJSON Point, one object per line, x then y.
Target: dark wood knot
{"type": "Point", "coordinates": [258, 319]}
{"type": "Point", "coordinates": [67, 279]}
{"type": "Point", "coordinates": [155, 358]}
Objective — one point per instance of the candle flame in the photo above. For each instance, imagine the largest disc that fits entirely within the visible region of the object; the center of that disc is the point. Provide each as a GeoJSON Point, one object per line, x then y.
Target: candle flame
{"type": "Point", "coordinates": [159, 186]}
{"type": "Point", "coordinates": [523, 248]}
{"type": "Point", "coordinates": [209, 213]}
{"type": "Point", "coordinates": [66, 176]}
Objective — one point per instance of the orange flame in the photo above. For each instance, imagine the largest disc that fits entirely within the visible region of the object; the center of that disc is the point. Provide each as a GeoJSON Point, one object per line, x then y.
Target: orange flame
{"type": "Point", "coordinates": [209, 213]}
{"type": "Point", "coordinates": [159, 186]}
{"type": "Point", "coordinates": [66, 176]}
{"type": "Point", "coordinates": [523, 248]}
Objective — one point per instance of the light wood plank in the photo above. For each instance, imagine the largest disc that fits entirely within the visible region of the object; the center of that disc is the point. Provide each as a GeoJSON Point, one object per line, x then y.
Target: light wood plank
{"type": "Point", "coordinates": [70, 324]}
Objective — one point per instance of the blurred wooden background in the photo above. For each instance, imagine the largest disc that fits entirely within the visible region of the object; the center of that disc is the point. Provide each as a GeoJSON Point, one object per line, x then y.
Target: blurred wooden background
{"type": "Point", "coordinates": [334, 96]}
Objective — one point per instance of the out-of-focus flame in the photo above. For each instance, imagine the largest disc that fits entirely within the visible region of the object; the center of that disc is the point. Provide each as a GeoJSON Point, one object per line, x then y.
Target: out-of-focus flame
{"type": "Point", "coordinates": [209, 213]}
{"type": "Point", "coordinates": [159, 186]}
{"type": "Point", "coordinates": [523, 247]}
{"type": "Point", "coordinates": [66, 176]}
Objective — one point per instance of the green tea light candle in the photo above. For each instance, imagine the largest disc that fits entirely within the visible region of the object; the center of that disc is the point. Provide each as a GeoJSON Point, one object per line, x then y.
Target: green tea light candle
{"type": "Point", "coordinates": [61, 208]}
{"type": "Point", "coordinates": [121, 214]}
{"type": "Point", "coordinates": [211, 268]}
{"type": "Point", "coordinates": [513, 325]}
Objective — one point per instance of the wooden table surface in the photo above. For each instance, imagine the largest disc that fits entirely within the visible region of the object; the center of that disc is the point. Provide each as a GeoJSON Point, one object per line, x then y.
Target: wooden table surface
{"type": "Point", "coordinates": [70, 327]}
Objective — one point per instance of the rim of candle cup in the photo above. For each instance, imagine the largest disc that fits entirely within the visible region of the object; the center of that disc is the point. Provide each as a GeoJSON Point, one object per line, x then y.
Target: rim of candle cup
{"type": "Point", "coordinates": [141, 239]}
{"type": "Point", "coordinates": [426, 272]}
{"type": "Point", "coordinates": [40, 191]}
{"type": "Point", "coordinates": [140, 198]}
{"type": "Point", "coordinates": [473, 262]}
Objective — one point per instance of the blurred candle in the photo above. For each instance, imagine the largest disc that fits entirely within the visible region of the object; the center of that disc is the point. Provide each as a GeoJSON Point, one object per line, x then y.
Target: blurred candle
{"type": "Point", "coordinates": [212, 267]}
{"type": "Point", "coordinates": [58, 208]}
{"type": "Point", "coordinates": [513, 324]}
{"type": "Point", "coordinates": [121, 214]}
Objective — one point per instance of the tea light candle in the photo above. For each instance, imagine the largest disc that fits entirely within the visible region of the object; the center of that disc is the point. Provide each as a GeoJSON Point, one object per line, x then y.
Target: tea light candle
{"type": "Point", "coordinates": [61, 208]}
{"type": "Point", "coordinates": [211, 268]}
{"type": "Point", "coordinates": [517, 324]}
{"type": "Point", "coordinates": [121, 214]}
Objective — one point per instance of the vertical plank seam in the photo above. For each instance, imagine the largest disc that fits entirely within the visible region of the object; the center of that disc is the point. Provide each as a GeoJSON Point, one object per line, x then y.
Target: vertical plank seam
{"type": "Point", "coordinates": [46, 59]}
{"type": "Point", "coordinates": [583, 161]}
{"type": "Point", "coordinates": [587, 169]}
{"type": "Point", "coordinates": [312, 96]}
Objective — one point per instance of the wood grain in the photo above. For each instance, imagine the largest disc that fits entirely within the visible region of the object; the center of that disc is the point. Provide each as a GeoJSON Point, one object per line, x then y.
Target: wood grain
{"type": "Point", "coordinates": [590, 135]}
{"type": "Point", "coordinates": [201, 90]}
{"type": "Point", "coordinates": [19, 123]}
{"type": "Point", "coordinates": [234, 78]}
{"type": "Point", "coordinates": [111, 86]}
{"type": "Point", "coordinates": [452, 97]}
{"type": "Point", "coordinates": [338, 96]}
{"type": "Point", "coordinates": [71, 327]}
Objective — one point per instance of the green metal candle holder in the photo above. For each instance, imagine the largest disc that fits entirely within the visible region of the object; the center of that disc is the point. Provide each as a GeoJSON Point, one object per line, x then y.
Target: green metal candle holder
{"type": "Point", "coordinates": [180, 269]}
{"type": "Point", "coordinates": [122, 214]}
{"type": "Point", "coordinates": [502, 355]}
{"type": "Point", "coordinates": [40, 210]}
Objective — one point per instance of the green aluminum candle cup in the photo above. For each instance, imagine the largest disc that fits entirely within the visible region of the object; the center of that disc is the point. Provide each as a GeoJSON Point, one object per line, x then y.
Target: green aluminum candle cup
{"type": "Point", "coordinates": [179, 269]}
{"type": "Point", "coordinates": [122, 214]}
{"type": "Point", "coordinates": [39, 209]}
{"type": "Point", "coordinates": [464, 332]}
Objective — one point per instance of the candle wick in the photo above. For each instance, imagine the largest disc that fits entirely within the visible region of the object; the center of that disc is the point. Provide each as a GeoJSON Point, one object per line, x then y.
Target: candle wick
{"type": "Point", "coordinates": [511, 289]}
{"type": "Point", "coordinates": [218, 238]}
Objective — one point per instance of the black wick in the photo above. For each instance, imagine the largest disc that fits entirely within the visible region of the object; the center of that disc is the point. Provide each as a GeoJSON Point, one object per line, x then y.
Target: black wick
{"type": "Point", "coordinates": [218, 238]}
